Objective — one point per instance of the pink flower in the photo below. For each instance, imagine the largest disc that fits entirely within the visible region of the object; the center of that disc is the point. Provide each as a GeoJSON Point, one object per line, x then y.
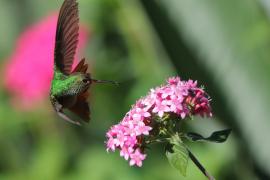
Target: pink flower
{"type": "Point", "coordinates": [167, 92]}
{"type": "Point", "coordinates": [173, 80]}
{"type": "Point", "coordinates": [30, 68]}
{"type": "Point", "coordinates": [131, 141]}
{"type": "Point", "coordinates": [142, 129]}
{"type": "Point", "coordinates": [140, 114]}
{"type": "Point", "coordinates": [111, 144]}
{"type": "Point", "coordinates": [126, 152]}
{"type": "Point", "coordinates": [136, 158]}
{"type": "Point", "coordinates": [120, 139]}
{"type": "Point", "coordinates": [198, 99]}
{"type": "Point", "coordinates": [125, 136]}
{"type": "Point", "coordinates": [181, 98]}
{"type": "Point", "coordinates": [161, 107]}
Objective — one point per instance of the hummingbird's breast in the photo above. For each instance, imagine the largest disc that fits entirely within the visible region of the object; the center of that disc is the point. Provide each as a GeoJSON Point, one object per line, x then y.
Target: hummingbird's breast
{"type": "Point", "coordinates": [67, 101]}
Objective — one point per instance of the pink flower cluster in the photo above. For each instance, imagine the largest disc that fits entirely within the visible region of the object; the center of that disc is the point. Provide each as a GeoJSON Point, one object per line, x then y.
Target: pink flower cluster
{"type": "Point", "coordinates": [182, 98]}
{"type": "Point", "coordinates": [126, 135]}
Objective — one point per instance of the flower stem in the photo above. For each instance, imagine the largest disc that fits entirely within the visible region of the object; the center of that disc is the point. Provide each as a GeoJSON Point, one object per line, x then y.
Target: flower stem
{"type": "Point", "coordinates": [199, 165]}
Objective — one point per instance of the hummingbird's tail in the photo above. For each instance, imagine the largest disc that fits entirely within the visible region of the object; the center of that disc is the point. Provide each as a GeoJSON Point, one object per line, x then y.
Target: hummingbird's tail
{"type": "Point", "coordinates": [104, 81]}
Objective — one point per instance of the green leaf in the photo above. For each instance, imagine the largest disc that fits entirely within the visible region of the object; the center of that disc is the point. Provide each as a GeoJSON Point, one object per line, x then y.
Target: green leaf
{"type": "Point", "coordinates": [217, 136]}
{"type": "Point", "coordinates": [178, 157]}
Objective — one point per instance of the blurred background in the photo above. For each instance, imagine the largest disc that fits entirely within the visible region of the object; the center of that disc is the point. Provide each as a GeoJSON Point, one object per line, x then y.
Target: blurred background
{"type": "Point", "coordinates": [225, 45]}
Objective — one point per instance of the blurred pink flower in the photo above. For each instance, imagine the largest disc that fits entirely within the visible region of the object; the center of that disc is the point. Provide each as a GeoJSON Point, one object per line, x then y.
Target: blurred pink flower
{"type": "Point", "coordinates": [30, 68]}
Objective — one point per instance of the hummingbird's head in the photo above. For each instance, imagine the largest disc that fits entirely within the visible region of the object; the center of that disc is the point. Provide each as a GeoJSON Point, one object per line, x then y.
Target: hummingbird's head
{"type": "Point", "coordinates": [81, 82]}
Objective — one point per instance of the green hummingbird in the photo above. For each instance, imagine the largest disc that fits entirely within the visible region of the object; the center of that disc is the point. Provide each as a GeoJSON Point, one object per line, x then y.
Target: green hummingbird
{"type": "Point", "coordinates": [69, 88]}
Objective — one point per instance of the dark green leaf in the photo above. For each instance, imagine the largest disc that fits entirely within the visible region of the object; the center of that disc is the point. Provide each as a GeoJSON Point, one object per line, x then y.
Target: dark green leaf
{"type": "Point", "coordinates": [217, 136]}
{"type": "Point", "coordinates": [178, 157]}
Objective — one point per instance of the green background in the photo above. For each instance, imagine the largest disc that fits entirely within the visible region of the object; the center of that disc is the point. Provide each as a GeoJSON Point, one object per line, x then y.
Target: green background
{"type": "Point", "coordinates": [224, 44]}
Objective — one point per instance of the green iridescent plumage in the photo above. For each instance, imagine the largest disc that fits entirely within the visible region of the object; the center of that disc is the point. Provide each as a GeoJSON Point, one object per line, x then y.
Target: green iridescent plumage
{"type": "Point", "coordinates": [62, 84]}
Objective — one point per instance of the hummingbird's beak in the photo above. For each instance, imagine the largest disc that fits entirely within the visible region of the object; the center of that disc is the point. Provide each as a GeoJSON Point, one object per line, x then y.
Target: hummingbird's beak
{"type": "Point", "coordinates": [104, 81]}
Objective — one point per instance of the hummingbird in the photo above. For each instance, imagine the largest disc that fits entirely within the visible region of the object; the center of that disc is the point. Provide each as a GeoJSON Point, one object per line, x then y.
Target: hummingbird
{"type": "Point", "coordinates": [69, 88]}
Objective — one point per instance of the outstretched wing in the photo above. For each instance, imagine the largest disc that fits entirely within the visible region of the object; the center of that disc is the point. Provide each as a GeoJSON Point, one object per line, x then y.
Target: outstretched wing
{"type": "Point", "coordinates": [67, 34]}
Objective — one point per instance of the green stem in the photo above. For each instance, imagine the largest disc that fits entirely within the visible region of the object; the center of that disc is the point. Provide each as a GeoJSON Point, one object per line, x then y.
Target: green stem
{"type": "Point", "coordinates": [200, 166]}
{"type": "Point", "coordinates": [169, 131]}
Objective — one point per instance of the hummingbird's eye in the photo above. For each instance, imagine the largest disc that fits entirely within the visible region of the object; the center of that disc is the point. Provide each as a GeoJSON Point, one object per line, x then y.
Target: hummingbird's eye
{"type": "Point", "coordinates": [85, 81]}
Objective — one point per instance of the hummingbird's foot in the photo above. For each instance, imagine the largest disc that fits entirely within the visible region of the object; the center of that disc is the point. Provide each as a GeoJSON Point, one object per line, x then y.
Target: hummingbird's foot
{"type": "Point", "coordinates": [66, 118]}
{"type": "Point", "coordinates": [59, 110]}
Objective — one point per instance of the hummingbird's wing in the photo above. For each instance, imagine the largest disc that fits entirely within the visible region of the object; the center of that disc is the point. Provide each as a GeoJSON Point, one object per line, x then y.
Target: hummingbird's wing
{"type": "Point", "coordinates": [81, 107]}
{"type": "Point", "coordinates": [67, 34]}
{"type": "Point", "coordinates": [81, 67]}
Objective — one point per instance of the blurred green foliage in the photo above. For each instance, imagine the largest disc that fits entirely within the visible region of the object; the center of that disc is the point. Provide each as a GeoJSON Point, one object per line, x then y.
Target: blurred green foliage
{"type": "Point", "coordinates": [224, 44]}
